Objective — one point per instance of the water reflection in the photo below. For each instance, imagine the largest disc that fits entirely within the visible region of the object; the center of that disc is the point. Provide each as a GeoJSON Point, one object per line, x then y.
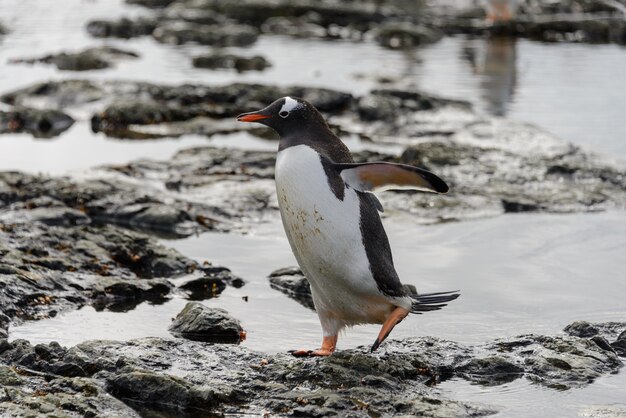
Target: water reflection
{"type": "Point", "coordinates": [495, 62]}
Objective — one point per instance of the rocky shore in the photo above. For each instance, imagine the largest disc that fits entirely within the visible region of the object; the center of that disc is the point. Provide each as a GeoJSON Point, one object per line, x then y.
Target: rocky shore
{"type": "Point", "coordinates": [157, 377]}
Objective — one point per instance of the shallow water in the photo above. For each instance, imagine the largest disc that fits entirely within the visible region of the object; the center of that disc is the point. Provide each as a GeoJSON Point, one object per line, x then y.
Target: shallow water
{"type": "Point", "coordinates": [517, 273]}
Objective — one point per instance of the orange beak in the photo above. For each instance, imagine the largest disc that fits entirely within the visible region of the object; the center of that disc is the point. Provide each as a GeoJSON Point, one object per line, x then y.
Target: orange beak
{"type": "Point", "coordinates": [251, 117]}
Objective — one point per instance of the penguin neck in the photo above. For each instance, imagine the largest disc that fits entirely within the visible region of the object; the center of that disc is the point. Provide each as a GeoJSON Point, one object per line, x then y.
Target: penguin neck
{"type": "Point", "coordinates": [321, 139]}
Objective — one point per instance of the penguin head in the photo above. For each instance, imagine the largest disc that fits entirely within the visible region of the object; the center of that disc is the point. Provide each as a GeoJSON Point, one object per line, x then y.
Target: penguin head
{"type": "Point", "coordinates": [286, 115]}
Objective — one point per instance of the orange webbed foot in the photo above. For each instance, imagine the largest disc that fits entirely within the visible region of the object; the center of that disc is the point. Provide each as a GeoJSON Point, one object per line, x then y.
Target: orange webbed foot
{"type": "Point", "coordinates": [328, 347]}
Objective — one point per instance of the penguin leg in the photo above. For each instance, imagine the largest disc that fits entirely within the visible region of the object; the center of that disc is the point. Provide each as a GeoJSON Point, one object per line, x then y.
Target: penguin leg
{"type": "Point", "coordinates": [328, 347]}
{"type": "Point", "coordinates": [393, 319]}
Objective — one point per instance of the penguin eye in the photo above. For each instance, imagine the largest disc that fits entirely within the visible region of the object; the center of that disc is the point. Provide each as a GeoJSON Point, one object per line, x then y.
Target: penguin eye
{"type": "Point", "coordinates": [283, 114]}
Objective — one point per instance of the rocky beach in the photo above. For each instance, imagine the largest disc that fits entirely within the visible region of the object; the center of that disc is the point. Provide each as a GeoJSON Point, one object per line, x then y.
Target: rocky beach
{"type": "Point", "coordinates": [143, 270]}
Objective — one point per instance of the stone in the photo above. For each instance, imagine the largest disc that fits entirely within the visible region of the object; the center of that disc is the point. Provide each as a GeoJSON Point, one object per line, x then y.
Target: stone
{"type": "Point", "coordinates": [123, 28]}
{"type": "Point", "coordinates": [231, 61]}
{"type": "Point", "coordinates": [200, 323]}
{"type": "Point", "coordinates": [88, 59]}
{"type": "Point", "coordinates": [39, 123]}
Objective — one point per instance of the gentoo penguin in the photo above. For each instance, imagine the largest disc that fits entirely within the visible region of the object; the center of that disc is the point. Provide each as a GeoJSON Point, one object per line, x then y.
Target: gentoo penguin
{"type": "Point", "coordinates": [333, 226]}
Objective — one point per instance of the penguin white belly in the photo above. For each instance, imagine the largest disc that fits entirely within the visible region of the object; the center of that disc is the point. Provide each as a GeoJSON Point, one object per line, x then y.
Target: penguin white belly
{"type": "Point", "coordinates": [325, 236]}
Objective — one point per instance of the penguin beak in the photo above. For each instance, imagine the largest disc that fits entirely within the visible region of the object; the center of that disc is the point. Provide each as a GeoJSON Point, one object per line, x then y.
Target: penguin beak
{"type": "Point", "coordinates": [252, 117]}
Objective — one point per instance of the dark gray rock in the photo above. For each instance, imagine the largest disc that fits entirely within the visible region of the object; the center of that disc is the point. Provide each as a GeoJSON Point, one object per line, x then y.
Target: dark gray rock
{"type": "Point", "coordinates": [211, 285]}
{"type": "Point", "coordinates": [39, 123]}
{"type": "Point", "coordinates": [122, 28]}
{"type": "Point", "coordinates": [88, 59]}
{"type": "Point", "coordinates": [200, 323]}
{"type": "Point", "coordinates": [154, 391]}
{"type": "Point", "coordinates": [46, 269]}
{"type": "Point", "coordinates": [231, 61]}
{"type": "Point", "coordinates": [123, 295]}
{"type": "Point", "coordinates": [4, 326]}
{"type": "Point", "coordinates": [571, 21]}
{"type": "Point", "coordinates": [178, 376]}
{"type": "Point", "coordinates": [610, 336]}
{"type": "Point", "coordinates": [213, 35]}
{"type": "Point", "coordinates": [620, 344]}
{"type": "Point", "coordinates": [291, 281]}
{"type": "Point", "coordinates": [57, 216]}
{"type": "Point", "coordinates": [152, 4]}
{"type": "Point", "coordinates": [582, 329]}
{"type": "Point", "coordinates": [404, 35]}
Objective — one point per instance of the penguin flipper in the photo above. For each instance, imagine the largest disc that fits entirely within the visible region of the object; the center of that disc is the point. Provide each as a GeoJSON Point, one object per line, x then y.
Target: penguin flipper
{"type": "Point", "coordinates": [367, 177]}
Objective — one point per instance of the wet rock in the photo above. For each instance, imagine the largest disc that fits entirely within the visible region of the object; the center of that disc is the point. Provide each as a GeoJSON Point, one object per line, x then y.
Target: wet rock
{"type": "Point", "coordinates": [122, 296]}
{"type": "Point", "coordinates": [620, 344]}
{"type": "Point", "coordinates": [582, 329]}
{"type": "Point", "coordinates": [159, 390]}
{"type": "Point", "coordinates": [152, 4]}
{"type": "Point", "coordinates": [404, 35]}
{"type": "Point", "coordinates": [492, 370]}
{"type": "Point", "coordinates": [325, 14]}
{"type": "Point", "coordinates": [214, 35]}
{"type": "Point", "coordinates": [46, 269]}
{"type": "Point", "coordinates": [89, 59]}
{"type": "Point", "coordinates": [192, 102]}
{"type": "Point", "coordinates": [122, 28]}
{"type": "Point", "coordinates": [390, 104]}
{"type": "Point", "coordinates": [211, 285]}
{"type": "Point", "coordinates": [574, 21]}
{"type": "Point", "coordinates": [178, 375]}
{"type": "Point", "coordinates": [4, 325]}
{"type": "Point", "coordinates": [601, 334]}
{"type": "Point", "coordinates": [139, 102]}
{"type": "Point", "coordinates": [39, 123]}
{"type": "Point", "coordinates": [231, 61]}
{"type": "Point", "coordinates": [55, 94]}
{"type": "Point", "coordinates": [57, 216]}
{"type": "Point", "coordinates": [186, 13]}
{"type": "Point", "coordinates": [200, 323]}
{"type": "Point", "coordinates": [291, 281]}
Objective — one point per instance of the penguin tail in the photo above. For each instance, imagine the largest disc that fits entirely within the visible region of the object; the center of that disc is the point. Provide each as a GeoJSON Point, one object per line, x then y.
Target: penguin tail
{"type": "Point", "coordinates": [426, 302]}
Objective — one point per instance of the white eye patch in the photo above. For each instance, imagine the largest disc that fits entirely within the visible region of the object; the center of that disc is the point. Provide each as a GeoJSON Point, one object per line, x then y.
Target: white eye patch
{"type": "Point", "coordinates": [288, 107]}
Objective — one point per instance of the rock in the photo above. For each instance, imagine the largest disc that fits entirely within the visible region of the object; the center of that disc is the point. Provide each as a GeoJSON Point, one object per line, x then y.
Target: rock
{"type": "Point", "coordinates": [620, 344]}
{"type": "Point", "coordinates": [39, 123]}
{"type": "Point", "coordinates": [543, 22]}
{"type": "Point", "coordinates": [325, 14]}
{"type": "Point", "coordinates": [492, 370]}
{"type": "Point", "coordinates": [167, 376]}
{"type": "Point", "coordinates": [581, 329]}
{"type": "Point", "coordinates": [51, 268]}
{"type": "Point", "coordinates": [291, 281]}
{"type": "Point", "coordinates": [122, 296]}
{"type": "Point", "coordinates": [404, 35]}
{"type": "Point", "coordinates": [55, 94]}
{"type": "Point", "coordinates": [88, 59]}
{"type": "Point", "coordinates": [158, 391]}
{"type": "Point", "coordinates": [239, 63]}
{"type": "Point", "coordinates": [4, 326]}
{"type": "Point", "coordinates": [212, 284]}
{"type": "Point", "coordinates": [199, 323]}
{"type": "Point", "coordinates": [122, 28]}
{"type": "Point", "coordinates": [152, 4]}
{"type": "Point", "coordinates": [214, 35]}
{"type": "Point", "coordinates": [55, 216]}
